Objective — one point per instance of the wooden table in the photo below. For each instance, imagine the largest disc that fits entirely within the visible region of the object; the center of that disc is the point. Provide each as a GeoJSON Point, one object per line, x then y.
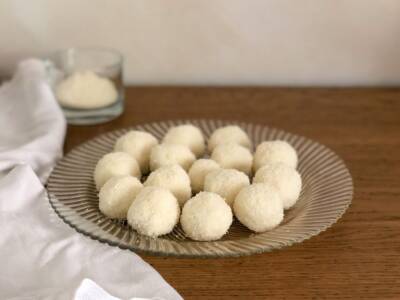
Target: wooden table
{"type": "Point", "coordinates": [359, 257]}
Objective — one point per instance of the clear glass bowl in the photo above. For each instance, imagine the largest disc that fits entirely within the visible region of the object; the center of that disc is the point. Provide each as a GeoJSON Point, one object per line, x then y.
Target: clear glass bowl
{"type": "Point", "coordinates": [327, 192]}
{"type": "Point", "coordinates": [88, 84]}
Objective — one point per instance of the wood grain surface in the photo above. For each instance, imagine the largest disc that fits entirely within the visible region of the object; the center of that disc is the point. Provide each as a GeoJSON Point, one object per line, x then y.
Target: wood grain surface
{"type": "Point", "coordinates": [359, 257]}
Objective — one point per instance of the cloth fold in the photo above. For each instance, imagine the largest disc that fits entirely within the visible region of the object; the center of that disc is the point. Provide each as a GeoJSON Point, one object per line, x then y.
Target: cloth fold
{"type": "Point", "coordinates": [41, 257]}
{"type": "Point", "coordinates": [32, 126]}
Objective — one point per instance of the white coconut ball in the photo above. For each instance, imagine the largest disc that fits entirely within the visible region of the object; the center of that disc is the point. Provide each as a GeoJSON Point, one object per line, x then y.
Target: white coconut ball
{"type": "Point", "coordinates": [258, 207]}
{"type": "Point", "coordinates": [229, 134]}
{"type": "Point", "coordinates": [233, 156]}
{"type": "Point", "coordinates": [154, 212]}
{"type": "Point", "coordinates": [198, 172]}
{"type": "Point", "coordinates": [174, 179]}
{"type": "Point", "coordinates": [274, 152]}
{"type": "Point", "coordinates": [170, 154]}
{"type": "Point", "coordinates": [206, 217]}
{"type": "Point", "coordinates": [286, 179]}
{"type": "Point", "coordinates": [117, 195]}
{"type": "Point", "coordinates": [226, 182]}
{"type": "Point", "coordinates": [138, 144]}
{"type": "Point", "coordinates": [114, 164]}
{"type": "Point", "coordinates": [187, 135]}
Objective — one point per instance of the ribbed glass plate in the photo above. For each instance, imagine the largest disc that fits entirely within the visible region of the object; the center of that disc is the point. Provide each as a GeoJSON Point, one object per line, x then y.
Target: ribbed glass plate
{"type": "Point", "coordinates": [326, 194]}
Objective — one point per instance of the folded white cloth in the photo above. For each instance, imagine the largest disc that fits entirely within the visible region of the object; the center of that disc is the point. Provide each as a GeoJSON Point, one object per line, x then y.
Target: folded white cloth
{"type": "Point", "coordinates": [40, 256]}
{"type": "Point", "coordinates": [32, 126]}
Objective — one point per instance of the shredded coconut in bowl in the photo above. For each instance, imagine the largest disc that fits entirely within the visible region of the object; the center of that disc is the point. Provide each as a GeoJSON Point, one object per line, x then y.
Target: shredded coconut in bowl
{"type": "Point", "coordinates": [86, 90]}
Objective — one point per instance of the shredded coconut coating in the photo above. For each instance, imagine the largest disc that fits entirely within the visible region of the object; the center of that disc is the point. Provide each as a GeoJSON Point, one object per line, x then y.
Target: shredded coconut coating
{"type": "Point", "coordinates": [226, 182]}
{"type": "Point", "coordinates": [259, 207]}
{"type": "Point", "coordinates": [284, 178]}
{"type": "Point", "coordinates": [170, 154]}
{"type": "Point", "coordinates": [229, 134]}
{"type": "Point", "coordinates": [114, 164]}
{"type": "Point", "coordinates": [199, 171]}
{"type": "Point", "coordinates": [233, 156]}
{"type": "Point", "coordinates": [174, 179]}
{"type": "Point", "coordinates": [139, 145]}
{"type": "Point", "coordinates": [274, 152]}
{"type": "Point", "coordinates": [206, 217]}
{"type": "Point", "coordinates": [186, 135]}
{"type": "Point", "coordinates": [117, 195]}
{"type": "Point", "coordinates": [154, 212]}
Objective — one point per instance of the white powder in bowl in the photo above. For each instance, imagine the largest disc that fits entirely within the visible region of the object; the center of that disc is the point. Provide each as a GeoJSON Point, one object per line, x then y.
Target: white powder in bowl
{"type": "Point", "coordinates": [86, 90]}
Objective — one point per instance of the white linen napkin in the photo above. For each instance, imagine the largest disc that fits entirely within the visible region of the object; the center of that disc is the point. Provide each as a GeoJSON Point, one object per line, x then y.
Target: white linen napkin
{"type": "Point", "coordinates": [40, 256]}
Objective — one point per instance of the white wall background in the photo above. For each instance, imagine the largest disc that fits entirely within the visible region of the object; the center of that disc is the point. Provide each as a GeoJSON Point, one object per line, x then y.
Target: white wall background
{"type": "Point", "coordinates": [274, 42]}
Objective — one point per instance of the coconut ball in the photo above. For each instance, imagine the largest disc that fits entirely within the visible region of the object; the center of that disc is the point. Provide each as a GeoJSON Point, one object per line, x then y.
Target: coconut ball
{"type": "Point", "coordinates": [259, 207]}
{"type": "Point", "coordinates": [172, 178]}
{"type": "Point", "coordinates": [286, 179]}
{"type": "Point", "coordinates": [187, 135]}
{"type": "Point", "coordinates": [170, 154]}
{"type": "Point", "coordinates": [226, 182]}
{"type": "Point", "coordinates": [274, 152]}
{"type": "Point", "coordinates": [138, 144]}
{"type": "Point", "coordinates": [117, 195]}
{"type": "Point", "coordinates": [154, 212]}
{"type": "Point", "coordinates": [206, 217]}
{"type": "Point", "coordinates": [229, 134]}
{"type": "Point", "coordinates": [233, 156]}
{"type": "Point", "coordinates": [198, 172]}
{"type": "Point", "coordinates": [114, 164]}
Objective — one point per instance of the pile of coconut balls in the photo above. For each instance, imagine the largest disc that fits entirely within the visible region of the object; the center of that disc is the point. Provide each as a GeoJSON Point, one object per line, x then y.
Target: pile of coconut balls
{"type": "Point", "coordinates": [202, 194]}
